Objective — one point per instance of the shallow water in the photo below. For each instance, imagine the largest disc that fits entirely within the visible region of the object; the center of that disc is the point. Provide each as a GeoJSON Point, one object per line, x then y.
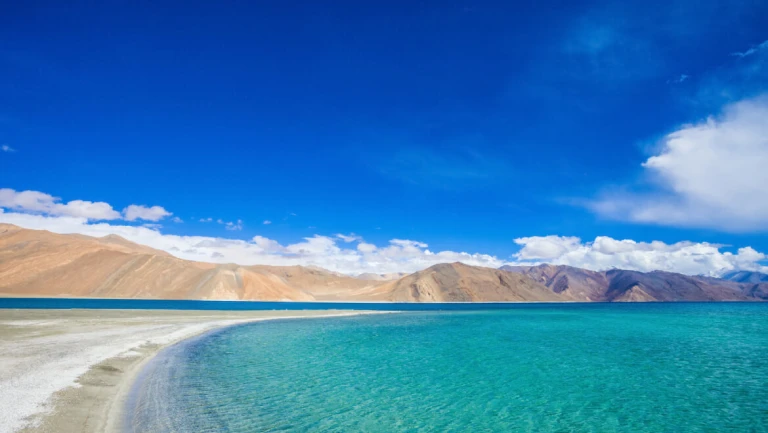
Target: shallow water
{"type": "Point", "coordinates": [578, 368]}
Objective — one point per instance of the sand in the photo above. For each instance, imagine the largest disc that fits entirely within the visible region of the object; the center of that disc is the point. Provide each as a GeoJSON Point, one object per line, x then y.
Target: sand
{"type": "Point", "coordinates": [70, 370]}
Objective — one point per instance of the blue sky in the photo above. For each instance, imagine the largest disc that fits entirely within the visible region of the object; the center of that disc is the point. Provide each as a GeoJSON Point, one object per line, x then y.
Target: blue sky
{"type": "Point", "coordinates": [461, 125]}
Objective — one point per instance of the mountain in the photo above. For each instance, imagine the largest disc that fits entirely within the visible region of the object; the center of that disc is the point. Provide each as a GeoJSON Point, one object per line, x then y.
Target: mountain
{"type": "Point", "coordinates": [574, 283]}
{"type": "Point", "coordinates": [746, 277]}
{"type": "Point", "coordinates": [456, 282]}
{"type": "Point", "coordinates": [381, 277]}
{"type": "Point", "coordinates": [631, 286]}
{"type": "Point", "coordinates": [41, 263]}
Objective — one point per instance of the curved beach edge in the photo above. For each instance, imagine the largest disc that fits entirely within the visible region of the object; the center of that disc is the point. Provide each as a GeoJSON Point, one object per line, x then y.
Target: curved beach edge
{"type": "Point", "coordinates": [97, 400]}
{"type": "Point", "coordinates": [116, 415]}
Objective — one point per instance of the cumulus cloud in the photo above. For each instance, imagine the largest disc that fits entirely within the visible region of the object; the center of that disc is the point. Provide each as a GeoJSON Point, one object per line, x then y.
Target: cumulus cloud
{"type": "Point", "coordinates": [607, 253]}
{"type": "Point", "coordinates": [206, 220]}
{"type": "Point", "coordinates": [7, 148]}
{"type": "Point", "coordinates": [140, 212]}
{"type": "Point", "coordinates": [177, 220]}
{"type": "Point", "coordinates": [365, 247]}
{"type": "Point", "coordinates": [39, 202]}
{"type": "Point", "coordinates": [545, 247]}
{"type": "Point", "coordinates": [350, 254]}
{"type": "Point", "coordinates": [400, 255]}
{"type": "Point", "coordinates": [711, 175]}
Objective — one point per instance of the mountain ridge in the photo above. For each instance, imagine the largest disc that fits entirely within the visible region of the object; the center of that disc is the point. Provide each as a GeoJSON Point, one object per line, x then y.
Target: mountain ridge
{"type": "Point", "coordinates": [626, 285]}
{"type": "Point", "coordinates": [42, 263]}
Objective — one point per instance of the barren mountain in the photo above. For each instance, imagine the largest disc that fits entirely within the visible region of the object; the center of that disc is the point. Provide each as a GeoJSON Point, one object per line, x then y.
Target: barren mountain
{"type": "Point", "coordinates": [381, 277]}
{"type": "Point", "coordinates": [456, 282]}
{"type": "Point", "coordinates": [575, 283]}
{"type": "Point", "coordinates": [632, 286]}
{"type": "Point", "coordinates": [746, 277]}
{"type": "Point", "coordinates": [41, 263]}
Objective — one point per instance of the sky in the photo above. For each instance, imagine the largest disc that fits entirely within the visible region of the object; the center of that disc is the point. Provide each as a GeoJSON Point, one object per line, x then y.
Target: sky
{"type": "Point", "coordinates": [390, 136]}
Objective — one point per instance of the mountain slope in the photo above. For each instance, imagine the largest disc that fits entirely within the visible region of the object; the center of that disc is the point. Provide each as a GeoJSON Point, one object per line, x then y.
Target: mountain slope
{"type": "Point", "coordinates": [40, 263]}
{"type": "Point", "coordinates": [632, 286]}
{"type": "Point", "coordinates": [574, 283]}
{"type": "Point", "coordinates": [746, 277]}
{"type": "Point", "coordinates": [456, 282]}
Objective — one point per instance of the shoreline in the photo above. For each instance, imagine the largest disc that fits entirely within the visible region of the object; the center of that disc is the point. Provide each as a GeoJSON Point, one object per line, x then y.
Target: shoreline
{"type": "Point", "coordinates": [72, 370]}
{"type": "Point", "coordinates": [115, 420]}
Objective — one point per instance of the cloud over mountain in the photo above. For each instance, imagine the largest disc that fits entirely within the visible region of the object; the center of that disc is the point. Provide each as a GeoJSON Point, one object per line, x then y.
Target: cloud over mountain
{"type": "Point", "coordinates": [605, 253]}
{"type": "Point", "coordinates": [352, 254]}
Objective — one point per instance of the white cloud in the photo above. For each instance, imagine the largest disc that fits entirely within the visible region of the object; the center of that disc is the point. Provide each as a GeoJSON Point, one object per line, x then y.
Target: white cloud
{"type": "Point", "coordinates": [322, 251]}
{"type": "Point", "coordinates": [751, 50]}
{"type": "Point", "coordinates": [365, 247]}
{"type": "Point", "coordinates": [607, 253]}
{"type": "Point", "coordinates": [36, 210]}
{"type": "Point", "coordinates": [177, 220]}
{"type": "Point", "coordinates": [712, 175]}
{"type": "Point", "coordinates": [140, 212]}
{"type": "Point", "coordinates": [267, 222]}
{"type": "Point", "coordinates": [229, 225]}
{"type": "Point", "coordinates": [39, 202]}
{"type": "Point", "coordinates": [7, 148]}
{"type": "Point", "coordinates": [350, 237]}
{"type": "Point", "coordinates": [545, 247]}
{"type": "Point", "coordinates": [410, 256]}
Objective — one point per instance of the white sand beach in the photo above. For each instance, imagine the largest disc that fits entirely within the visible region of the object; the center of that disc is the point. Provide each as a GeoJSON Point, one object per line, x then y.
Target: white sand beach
{"type": "Point", "coordinates": [69, 370]}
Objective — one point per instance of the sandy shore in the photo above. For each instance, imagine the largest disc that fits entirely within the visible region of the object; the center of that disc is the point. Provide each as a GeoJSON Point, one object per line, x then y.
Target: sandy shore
{"type": "Point", "coordinates": [70, 370]}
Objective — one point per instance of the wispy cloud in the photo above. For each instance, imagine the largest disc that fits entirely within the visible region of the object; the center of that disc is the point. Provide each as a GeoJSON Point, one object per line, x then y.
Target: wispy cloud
{"type": "Point", "coordinates": [232, 225]}
{"type": "Point", "coordinates": [679, 79]}
{"type": "Point", "coordinates": [751, 50]}
{"type": "Point", "coordinates": [267, 222]}
{"type": "Point", "coordinates": [742, 77]}
{"type": "Point", "coordinates": [349, 238]}
{"type": "Point", "coordinates": [206, 220]}
{"type": "Point", "coordinates": [7, 148]}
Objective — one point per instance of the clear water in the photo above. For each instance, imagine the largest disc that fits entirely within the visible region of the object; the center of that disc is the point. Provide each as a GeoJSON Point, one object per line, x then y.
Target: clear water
{"type": "Point", "coordinates": [580, 368]}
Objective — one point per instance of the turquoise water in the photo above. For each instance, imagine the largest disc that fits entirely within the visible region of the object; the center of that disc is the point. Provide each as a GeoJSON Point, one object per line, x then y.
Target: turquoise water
{"type": "Point", "coordinates": [580, 368]}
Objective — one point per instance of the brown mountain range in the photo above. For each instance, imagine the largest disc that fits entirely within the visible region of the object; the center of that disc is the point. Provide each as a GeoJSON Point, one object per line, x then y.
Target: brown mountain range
{"type": "Point", "coordinates": [621, 285]}
{"type": "Point", "coordinates": [41, 263]}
